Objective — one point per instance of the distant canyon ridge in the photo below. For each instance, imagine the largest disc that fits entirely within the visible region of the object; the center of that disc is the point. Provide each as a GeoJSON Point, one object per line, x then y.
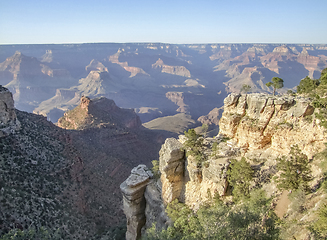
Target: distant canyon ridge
{"type": "Point", "coordinates": [155, 79]}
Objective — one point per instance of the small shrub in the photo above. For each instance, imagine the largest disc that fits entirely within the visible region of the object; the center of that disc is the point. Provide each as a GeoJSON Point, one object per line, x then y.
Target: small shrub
{"type": "Point", "coordinates": [319, 228]}
{"type": "Point", "coordinates": [193, 145]}
{"type": "Point", "coordinates": [295, 170]}
{"type": "Point", "coordinates": [155, 169]}
{"type": "Point", "coordinates": [239, 176]}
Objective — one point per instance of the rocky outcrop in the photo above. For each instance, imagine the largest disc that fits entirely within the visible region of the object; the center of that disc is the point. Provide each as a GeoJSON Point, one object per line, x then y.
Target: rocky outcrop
{"type": "Point", "coordinates": [203, 183]}
{"type": "Point", "coordinates": [181, 178]}
{"type": "Point", "coordinates": [260, 121]}
{"type": "Point", "coordinates": [99, 113]}
{"type": "Point", "coordinates": [171, 165]}
{"type": "Point", "coordinates": [8, 120]}
{"type": "Point", "coordinates": [133, 200]}
{"type": "Point", "coordinates": [259, 127]}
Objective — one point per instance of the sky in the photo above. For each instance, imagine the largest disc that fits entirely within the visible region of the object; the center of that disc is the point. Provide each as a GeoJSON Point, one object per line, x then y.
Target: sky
{"type": "Point", "coordinates": [169, 21]}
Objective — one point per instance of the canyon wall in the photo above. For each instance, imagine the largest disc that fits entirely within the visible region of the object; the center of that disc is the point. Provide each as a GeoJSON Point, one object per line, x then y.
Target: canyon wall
{"type": "Point", "coordinates": [259, 122]}
{"type": "Point", "coordinates": [259, 127]}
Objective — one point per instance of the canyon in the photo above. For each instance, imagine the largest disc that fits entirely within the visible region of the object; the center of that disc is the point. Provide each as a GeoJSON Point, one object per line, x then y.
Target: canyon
{"type": "Point", "coordinates": [68, 177]}
{"type": "Point", "coordinates": [116, 105]}
{"type": "Point", "coordinates": [166, 78]}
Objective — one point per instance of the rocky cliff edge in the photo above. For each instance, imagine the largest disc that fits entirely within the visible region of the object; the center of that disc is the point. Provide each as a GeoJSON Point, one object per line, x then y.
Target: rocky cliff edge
{"type": "Point", "coordinates": [259, 127]}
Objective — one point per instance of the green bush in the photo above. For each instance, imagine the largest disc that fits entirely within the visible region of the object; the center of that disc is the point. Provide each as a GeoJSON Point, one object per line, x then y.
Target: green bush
{"type": "Point", "coordinates": [308, 85]}
{"type": "Point", "coordinates": [193, 145]}
{"type": "Point", "coordinates": [239, 176]}
{"type": "Point", "coordinates": [252, 219]}
{"type": "Point", "coordinates": [295, 172]}
{"type": "Point", "coordinates": [155, 169]}
{"type": "Point", "coordinates": [38, 234]}
{"type": "Point", "coordinates": [319, 228]}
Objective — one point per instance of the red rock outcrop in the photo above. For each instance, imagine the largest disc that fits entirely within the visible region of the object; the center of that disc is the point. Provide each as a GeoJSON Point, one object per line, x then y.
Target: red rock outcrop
{"type": "Point", "coordinates": [97, 113]}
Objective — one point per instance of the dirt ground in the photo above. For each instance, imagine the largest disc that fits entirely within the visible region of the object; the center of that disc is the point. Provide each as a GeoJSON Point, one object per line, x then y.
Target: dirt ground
{"type": "Point", "coordinates": [282, 204]}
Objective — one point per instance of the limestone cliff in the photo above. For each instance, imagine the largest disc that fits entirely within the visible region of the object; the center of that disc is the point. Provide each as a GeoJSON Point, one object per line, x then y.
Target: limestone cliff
{"type": "Point", "coordinates": [259, 127]}
{"type": "Point", "coordinates": [275, 123]}
{"type": "Point", "coordinates": [8, 119]}
{"type": "Point", "coordinates": [175, 70]}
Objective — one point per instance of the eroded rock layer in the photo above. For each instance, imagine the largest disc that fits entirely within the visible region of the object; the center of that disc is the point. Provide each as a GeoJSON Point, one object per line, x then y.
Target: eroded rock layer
{"type": "Point", "coordinates": [261, 121]}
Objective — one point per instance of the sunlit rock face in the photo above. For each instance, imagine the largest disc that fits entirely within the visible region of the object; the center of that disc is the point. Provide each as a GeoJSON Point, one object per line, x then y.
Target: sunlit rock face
{"type": "Point", "coordinates": [261, 121]}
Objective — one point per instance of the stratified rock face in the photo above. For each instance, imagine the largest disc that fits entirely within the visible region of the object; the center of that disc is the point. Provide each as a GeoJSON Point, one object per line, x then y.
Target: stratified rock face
{"type": "Point", "coordinates": [96, 66]}
{"type": "Point", "coordinates": [260, 121]}
{"type": "Point", "coordinates": [8, 120]}
{"type": "Point", "coordinates": [175, 70]}
{"type": "Point", "coordinates": [171, 164]}
{"type": "Point", "coordinates": [204, 183]}
{"type": "Point", "coordinates": [133, 200]}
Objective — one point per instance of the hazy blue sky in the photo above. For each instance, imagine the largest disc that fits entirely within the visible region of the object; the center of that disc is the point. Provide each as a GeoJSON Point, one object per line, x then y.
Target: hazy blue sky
{"type": "Point", "coordinates": [169, 21]}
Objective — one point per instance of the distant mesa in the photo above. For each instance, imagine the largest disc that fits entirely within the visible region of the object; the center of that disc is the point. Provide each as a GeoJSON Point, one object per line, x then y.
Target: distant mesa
{"type": "Point", "coordinates": [187, 83]}
{"type": "Point", "coordinates": [133, 70]}
{"type": "Point", "coordinates": [95, 65]}
{"type": "Point", "coordinates": [96, 83]}
{"type": "Point", "coordinates": [212, 118]}
{"type": "Point", "coordinates": [282, 50]}
{"type": "Point", "coordinates": [47, 57]}
{"type": "Point", "coordinates": [175, 70]}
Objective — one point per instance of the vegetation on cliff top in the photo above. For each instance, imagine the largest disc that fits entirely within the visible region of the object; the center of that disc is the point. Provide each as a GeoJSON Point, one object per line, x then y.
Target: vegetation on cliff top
{"type": "Point", "coordinates": [316, 89]}
{"type": "Point", "coordinates": [251, 219]}
{"type": "Point", "coordinates": [276, 83]}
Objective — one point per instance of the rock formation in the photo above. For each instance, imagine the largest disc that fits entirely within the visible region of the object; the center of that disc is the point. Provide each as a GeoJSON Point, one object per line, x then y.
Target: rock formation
{"type": "Point", "coordinates": [97, 113]}
{"type": "Point", "coordinates": [260, 121]}
{"type": "Point", "coordinates": [8, 119]}
{"type": "Point", "coordinates": [133, 70]}
{"type": "Point", "coordinates": [171, 164]}
{"type": "Point", "coordinates": [181, 179]}
{"type": "Point", "coordinates": [96, 66]}
{"type": "Point", "coordinates": [133, 200]}
{"type": "Point", "coordinates": [259, 127]}
{"type": "Point", "coordinates": [175, 70]}
{"type": "Point", "coordinates": [211, 118]}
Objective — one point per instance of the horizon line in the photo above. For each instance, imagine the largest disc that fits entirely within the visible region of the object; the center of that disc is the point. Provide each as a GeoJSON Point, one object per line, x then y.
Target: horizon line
{"type": "Point", "coordinates": [209, 43]}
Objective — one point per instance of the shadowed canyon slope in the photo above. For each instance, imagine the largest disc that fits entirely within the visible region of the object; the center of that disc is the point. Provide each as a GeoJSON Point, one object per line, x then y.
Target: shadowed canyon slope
{"type": "Point", "coordinates": [68, 179]}
{"type": "Point", "coordinates": [164, 78]}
